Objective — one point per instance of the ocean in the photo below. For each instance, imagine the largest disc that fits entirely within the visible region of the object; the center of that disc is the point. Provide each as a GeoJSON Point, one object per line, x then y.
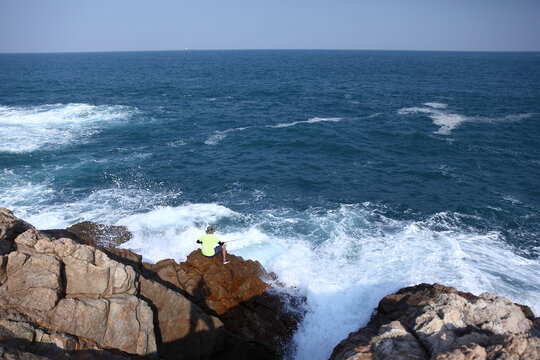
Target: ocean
{"type": "Point", "coordinates": [349, 174]}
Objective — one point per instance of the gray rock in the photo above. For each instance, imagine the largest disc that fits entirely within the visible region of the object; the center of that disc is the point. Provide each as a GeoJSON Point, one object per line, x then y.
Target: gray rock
{"type": "Point", "coordinates": [438, 322]}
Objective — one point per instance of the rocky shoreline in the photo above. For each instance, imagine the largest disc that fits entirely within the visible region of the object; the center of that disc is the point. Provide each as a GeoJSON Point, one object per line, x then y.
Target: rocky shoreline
{"type": "Point", "coordinates": [72, 294]}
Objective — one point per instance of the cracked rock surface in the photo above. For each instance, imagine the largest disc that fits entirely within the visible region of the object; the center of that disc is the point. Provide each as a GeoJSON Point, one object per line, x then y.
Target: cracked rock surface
{"type": "Point", "coordinates": [432, 321]}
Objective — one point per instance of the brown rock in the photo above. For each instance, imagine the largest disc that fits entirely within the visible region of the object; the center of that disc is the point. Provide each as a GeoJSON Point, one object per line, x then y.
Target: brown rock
{"type": "Point", "coordinates": [107, 276]}
{"type": "Point", "coordinates": [184, 328]}
{"type": "Point", "coordinates": [121, 322]}
{"type": "Point", "coordinates": [3, 265]}
{"type": "Point", "coordinates": [21, 329]}
{"type": "Point", "coordinates": [125, 256]}
{"type": "Point", "coordinates": [222, 286]}
{"type": "Point", "coordinates": [236, 294]}
{"type": "Point", "coordinates": [102, 235]}
{"type": "Point", "coordinates": [394, 341]}
{"type": "Point", "coordinates": [10, 228]}
{"type": "Point", "coordinates": [81, 299]}
{"type": "Point", "coordinates": [33, 281]}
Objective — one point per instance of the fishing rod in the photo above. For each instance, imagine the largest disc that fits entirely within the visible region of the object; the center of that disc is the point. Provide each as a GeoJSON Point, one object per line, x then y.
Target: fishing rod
{"type": "Point", "coordinates": [231, 241]}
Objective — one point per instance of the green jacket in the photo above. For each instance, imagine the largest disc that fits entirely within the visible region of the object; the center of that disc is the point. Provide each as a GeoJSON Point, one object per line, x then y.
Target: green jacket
{"type": "Point", "coordinates": [208, 243]}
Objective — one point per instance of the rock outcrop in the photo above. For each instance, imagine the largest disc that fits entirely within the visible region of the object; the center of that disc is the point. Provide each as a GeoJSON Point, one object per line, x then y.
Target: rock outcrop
{"type": "Point", "coordinates": [102, 235]}
{"type": "Point", "coordinates": [237, 294]}
{"type": "Point", "coordinates": [438, 322]}
{"type": "Point", "coordinates": [62, 295]}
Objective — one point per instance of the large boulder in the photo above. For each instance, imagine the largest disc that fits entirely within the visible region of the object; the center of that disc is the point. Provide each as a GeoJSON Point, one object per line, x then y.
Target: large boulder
{"type": "Point", "coordinates": [78, 290]}
{"type": "Point", "coordinates": [235, 293]}
{"type": "Point", "coordinates": [75, 292]}
{"type": "Point", "coordinates": [102, 235]}
{"type": "Point", "coordinates": [438, 322]}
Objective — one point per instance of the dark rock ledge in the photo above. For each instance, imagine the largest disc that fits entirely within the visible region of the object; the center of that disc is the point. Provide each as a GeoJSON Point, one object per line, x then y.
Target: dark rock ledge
{"type": "Point", "coordinates": [64, 297]}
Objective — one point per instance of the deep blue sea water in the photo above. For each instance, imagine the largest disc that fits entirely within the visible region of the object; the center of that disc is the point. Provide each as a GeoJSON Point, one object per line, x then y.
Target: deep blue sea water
{"type": "Point", "coordinates": [350, 174]}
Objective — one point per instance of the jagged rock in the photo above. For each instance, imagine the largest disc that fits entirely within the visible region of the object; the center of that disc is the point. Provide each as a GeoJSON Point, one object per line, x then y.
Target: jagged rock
{"type": "Point", "coordinates": [122, 322]}
{"type": "Point", "coordinates": [82, 300]}
{"type": "Point", "coordinates": [33, 281]}
{"type": "Point", "coordinates": [20, 328]}
{"type": "Point", "coordinates": [102, 235]}
{"type": "Point", "coordinates": [10, 228]}
{"type": "Point", "coordinates": [184, 328]}
{"type": "Point", "coordinates": [236, 294]}
{"type": "Point", "coordinates": [438, 322]}
{"type": "Point", "coordinates": [107, 276]}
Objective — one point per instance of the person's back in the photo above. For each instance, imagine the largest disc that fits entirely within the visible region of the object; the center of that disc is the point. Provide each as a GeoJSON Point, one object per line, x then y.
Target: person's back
{"type": "Point", "coordinates": [209, 248]}
{"type": "Point", "coordinates": [208, 243]}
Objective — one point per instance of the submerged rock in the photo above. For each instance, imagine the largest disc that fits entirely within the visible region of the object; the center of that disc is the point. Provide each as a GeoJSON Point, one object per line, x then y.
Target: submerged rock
{"type": "Point", "coordinates": [438, 322]}
{"type": "Point", "coordinates": [103, 235]}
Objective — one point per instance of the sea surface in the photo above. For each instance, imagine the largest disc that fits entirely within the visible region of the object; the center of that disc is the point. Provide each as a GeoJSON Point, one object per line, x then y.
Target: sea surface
{"type": "Point", "coordinates": [350, 174]}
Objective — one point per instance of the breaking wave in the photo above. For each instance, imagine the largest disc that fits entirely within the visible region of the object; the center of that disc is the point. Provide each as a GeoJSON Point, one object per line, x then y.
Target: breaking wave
{"type": "Point", "coordinates": [340, 259]}
{"type": "Point", "coordinates": [27, 129]}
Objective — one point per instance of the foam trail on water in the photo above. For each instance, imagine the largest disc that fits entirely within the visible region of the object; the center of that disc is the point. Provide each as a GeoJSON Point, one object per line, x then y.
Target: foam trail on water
{"type": "Point", "coordinates": [220, 135]}
{"type": "Point", "coordinates": [310, 121]}
{"type": "Point", "coordinates": [27, 129]}
{"type": "Point", "coordinates": [360, 257]}
{"type": "Point", "coordinates": [436, 105]}
{"type": "Point", "coordinates": [448, 121]}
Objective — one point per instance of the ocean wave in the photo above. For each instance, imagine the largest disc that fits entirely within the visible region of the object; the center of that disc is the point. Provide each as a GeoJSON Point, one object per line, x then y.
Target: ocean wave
{"type": "Point", "coordinates": [344, 257]}
{"type": "Point", "coordinates": [220, 135]}
{"type": "Point", "coordinates": [448, 121]}
{"type": "Point", "coordinates": [27, 129]}
{"type": "Point", "coordinates": [338, 258]}
{"type": "Point", "coordinates": [310, 121]}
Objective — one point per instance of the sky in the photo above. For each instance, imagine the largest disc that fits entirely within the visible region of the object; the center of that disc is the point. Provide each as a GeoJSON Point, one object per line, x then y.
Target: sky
{"type": "Point", "coordinates": [131, 25]}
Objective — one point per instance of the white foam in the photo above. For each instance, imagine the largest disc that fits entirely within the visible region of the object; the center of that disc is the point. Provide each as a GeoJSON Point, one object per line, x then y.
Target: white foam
{"type": "Point", "coordinates": [343, 260]}
{"type": "Point", "coordinates": [360, 257]}
{"type": "Point", "coordinates": [26, 129]}
{"type": "Point", "coordinates": [220, 135]}
{"type": "Point", "coordinates": [448, 121]}
{"type": "Point", "coordinates": [310, 121]}
{"type": "Point", "coordinates": [436, 105]}
{"type": "Point", "coordinates": [176, 143]}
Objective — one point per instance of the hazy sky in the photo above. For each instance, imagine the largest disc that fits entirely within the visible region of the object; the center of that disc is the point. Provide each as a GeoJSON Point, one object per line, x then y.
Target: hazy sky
{"type": "Point", "coordinates": [108, 25]}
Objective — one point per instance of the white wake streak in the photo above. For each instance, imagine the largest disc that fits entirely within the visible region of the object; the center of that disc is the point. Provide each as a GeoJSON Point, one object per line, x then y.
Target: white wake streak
{"type": "Point", "coordinates": [310, 121]}
{"type": "Point", "coordinates": [27, 129]}
{"type": "Point", "coordinates": [448, 121]}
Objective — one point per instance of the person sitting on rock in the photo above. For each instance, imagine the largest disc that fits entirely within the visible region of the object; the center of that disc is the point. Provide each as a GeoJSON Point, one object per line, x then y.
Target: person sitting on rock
{"type": "Point", "coordinates": [208, 241]}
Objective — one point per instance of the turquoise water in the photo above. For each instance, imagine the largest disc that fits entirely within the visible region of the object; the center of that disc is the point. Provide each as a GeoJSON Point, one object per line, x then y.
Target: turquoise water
{"type": "Point", "coordinates": [348, 173]}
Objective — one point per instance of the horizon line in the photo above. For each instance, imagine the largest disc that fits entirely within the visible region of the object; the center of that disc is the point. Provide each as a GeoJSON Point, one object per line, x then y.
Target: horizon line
{"type": "Point", "coordinates": [260, 49]}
